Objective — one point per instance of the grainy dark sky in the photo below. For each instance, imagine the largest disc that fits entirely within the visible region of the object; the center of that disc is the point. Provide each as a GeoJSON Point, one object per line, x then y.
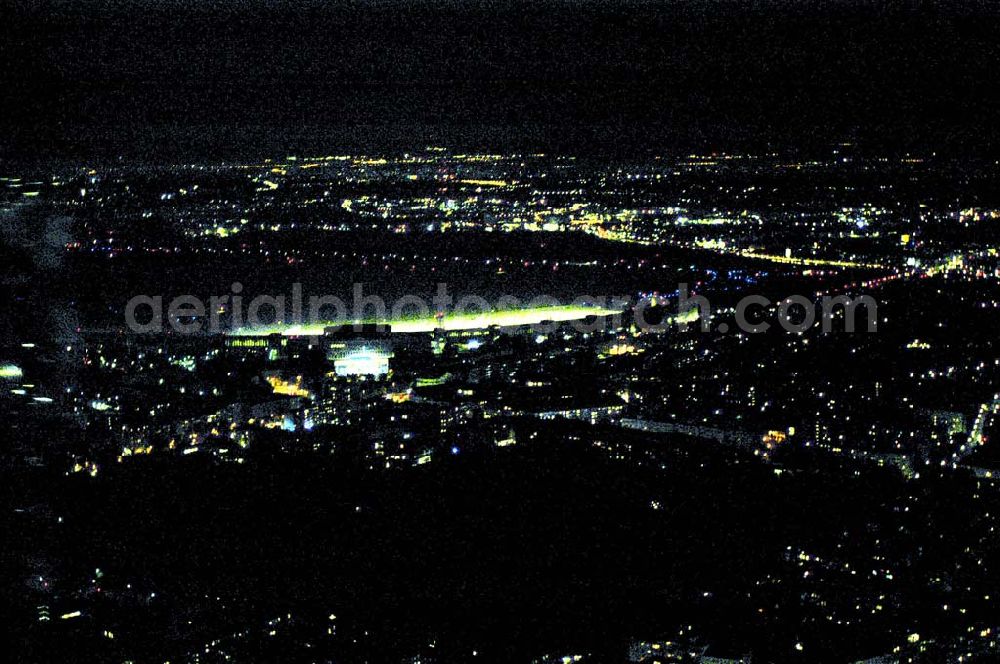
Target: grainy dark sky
{"type": "Point", "coordinates": [227, 77]}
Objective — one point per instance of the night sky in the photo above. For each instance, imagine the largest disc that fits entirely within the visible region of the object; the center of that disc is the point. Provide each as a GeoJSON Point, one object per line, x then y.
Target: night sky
{"type": "Point", "coordinates": [229, 78]}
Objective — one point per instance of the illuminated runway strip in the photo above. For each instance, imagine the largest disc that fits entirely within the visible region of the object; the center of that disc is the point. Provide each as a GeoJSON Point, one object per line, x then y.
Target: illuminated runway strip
{"type": "Point", "coordinates": [474, 321]}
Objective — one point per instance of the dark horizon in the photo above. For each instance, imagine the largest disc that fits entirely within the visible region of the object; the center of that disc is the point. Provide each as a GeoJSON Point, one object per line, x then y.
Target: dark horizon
{"type": "Point", "coordinates": [170, 79]}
